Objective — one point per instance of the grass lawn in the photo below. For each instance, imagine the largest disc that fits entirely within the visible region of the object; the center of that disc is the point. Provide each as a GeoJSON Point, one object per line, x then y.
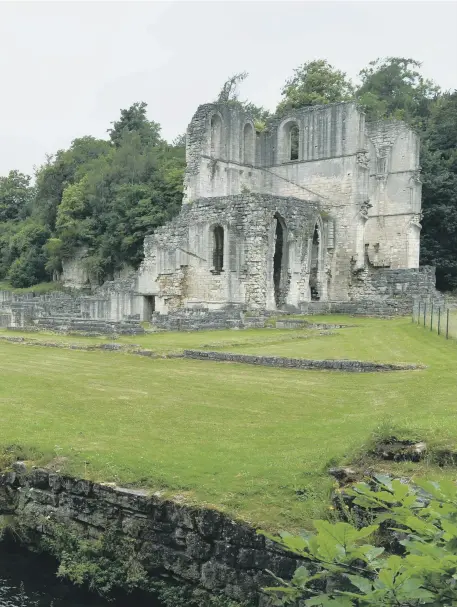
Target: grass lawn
{"type": "Point", "coordinates": [168, 342]}
{"type": "Point", "coordinates": [253, 441]}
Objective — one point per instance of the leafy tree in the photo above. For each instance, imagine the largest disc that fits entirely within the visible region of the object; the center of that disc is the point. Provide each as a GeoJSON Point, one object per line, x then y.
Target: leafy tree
{"type": "Point", "coordinates": [315, 83]}
{"type": "Point", "coordinates": [25, 256]}
{"type": "Point", "coordinates": [439, 176]}
{"type": "Point", "coordinates": [394, 88]}
{"type": "Point", "coordinates": [54, 254]}
{"type": "Point", "coordinates": [66, 167]}
{"type": "Point", "coordinates": [15, 196]}
{"type": "Point", "coordinates": [134, 119]}
{"type": "Point", "coordinates": [346, 571]}
{"type": "Point", "coordinates": [179, 141]}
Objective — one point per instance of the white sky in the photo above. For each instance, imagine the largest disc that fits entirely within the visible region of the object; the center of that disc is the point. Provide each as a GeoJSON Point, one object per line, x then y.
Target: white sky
{"type": "Point", "coordinates": [67, 68]}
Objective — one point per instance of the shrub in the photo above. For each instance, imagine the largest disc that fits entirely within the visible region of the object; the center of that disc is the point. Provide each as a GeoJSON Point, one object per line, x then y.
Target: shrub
{"type": "Point", "coordinates": [343, 570]}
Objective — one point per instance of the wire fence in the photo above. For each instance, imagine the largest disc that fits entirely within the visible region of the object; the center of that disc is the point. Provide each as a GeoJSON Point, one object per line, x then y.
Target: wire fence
{"type": "Point", "coordinates": [437, 317]}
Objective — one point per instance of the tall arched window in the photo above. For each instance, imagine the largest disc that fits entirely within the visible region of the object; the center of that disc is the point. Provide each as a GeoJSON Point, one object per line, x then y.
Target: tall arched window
{"type": "Point", "coordinates": [278, 261]}
{"type": "Point", "coordinates": [294, 141]}
{"type": "Point", "coordinates": [218, 249]}
{"type": "Point", "coordinates": [216, 136]}
{"type": "Point", "coordinates": [315, 259]}
{"type": "Point", "coordinates": [248, 144]}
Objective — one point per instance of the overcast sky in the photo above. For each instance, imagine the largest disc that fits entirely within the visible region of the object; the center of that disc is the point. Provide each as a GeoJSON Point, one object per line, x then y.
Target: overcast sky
{"type": "Point", "coordinates": [67, 68]}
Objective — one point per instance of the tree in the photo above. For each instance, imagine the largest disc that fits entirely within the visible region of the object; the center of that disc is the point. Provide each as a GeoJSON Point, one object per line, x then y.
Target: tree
{"type": "Point", "coordinates": [134, 119]}
{"type": "Point", "coordinates": [229, 90]}
{"type": "Point", "coordinates": [229, 95]}
{"type": "Point", "coordinates": [15, 196]}
{"type": "Point", "coordinates": [66, 167]}
{"type": "Point", "coordinates": [25, 254]}
{"type": "Point", "coordinates": [439, 191]}
{"type": "Point", "coordinates": [394, 88]}
{"type": "Point", "coordinates": [315, 83]}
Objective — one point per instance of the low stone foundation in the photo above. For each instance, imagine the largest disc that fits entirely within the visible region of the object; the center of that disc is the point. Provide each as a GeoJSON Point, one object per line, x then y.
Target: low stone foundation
{"type": "Point", "coordinates": [295, 323]}
{"type": "Point", "coordinates": [201, 319]}
{"type": "Point", "coordinates": [201, 547]}
{"type": "Point", "coordinates": [65, 324]}
{"type": "Point", "coordinates": [355, 366]}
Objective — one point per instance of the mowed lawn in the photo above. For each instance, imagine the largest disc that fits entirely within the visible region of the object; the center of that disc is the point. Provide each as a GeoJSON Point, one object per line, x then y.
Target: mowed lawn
{"type": "Point", "coordinates": [253, 441]}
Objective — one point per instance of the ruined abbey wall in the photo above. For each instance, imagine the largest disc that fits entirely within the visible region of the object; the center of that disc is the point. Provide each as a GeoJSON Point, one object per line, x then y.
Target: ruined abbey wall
{"type": "Point", "coordinates": [317, 210]}
{"type": "Point", "coordinates": [357, 184]}
{"type": "Point", "coordinates": [180, 255]}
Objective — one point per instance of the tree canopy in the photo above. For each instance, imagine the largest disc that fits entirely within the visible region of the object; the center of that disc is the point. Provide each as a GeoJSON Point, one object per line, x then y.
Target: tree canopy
{"type": "Point", "coordinates": [103, 195]}
{"type": "Point", "coordinates": [315, 83]}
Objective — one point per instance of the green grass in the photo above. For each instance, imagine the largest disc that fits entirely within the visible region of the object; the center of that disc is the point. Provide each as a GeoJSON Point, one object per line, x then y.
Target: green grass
{"type": "Point", "coordinates": [42, 287]}
{"type": "Point", "coordinates": [359, 342]}
{"type": "Point", "coordinates": [240, 438]}
{"type": "Point", "coordinates": [164, 343]}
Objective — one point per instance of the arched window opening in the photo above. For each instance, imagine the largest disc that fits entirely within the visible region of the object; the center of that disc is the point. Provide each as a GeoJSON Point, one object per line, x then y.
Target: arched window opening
{"type": "Point", "coordinates": [218, 249]}
{"type": "Point", "coordinates": [248, 144]}
{"type": "Point", "coordinates": [313, 278]}
{"type": "Point", "coordinates": [278, 261]}
{"type": "Point", "coordinates": [294, 140]}
{"type": "Point", "coordinates": [216, 136]}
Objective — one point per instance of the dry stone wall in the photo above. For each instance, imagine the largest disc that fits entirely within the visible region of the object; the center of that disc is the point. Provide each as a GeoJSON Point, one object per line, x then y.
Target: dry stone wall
{"type": "Point", "coordinates": [198, 546]}
{"type": "Point", "coordinates": [354, 366]}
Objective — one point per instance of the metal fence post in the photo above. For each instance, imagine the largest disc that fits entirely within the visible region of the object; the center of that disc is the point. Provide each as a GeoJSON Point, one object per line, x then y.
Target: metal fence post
{"type": "Point", "coordinates": [419, 314]}
{"type": "Point", "coordinates": [439, 321]}
{"type": "Point", "coordinates": [447, 324]}
{"type": "Point", "coordinates": [431, 318]}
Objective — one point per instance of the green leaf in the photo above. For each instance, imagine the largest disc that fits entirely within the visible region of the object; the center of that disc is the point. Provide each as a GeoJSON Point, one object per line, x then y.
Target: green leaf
{"type": "Point", "coordinates": [301, 576]}
{"type": "Point", "coordinates": [400, 490]}
{"type": "Point", "coordinates": [361, 583]}
{"type": "Point", "coordinates": [371, 553]}
{"type": "Point", "coordinates": [450, 528]}
{"type": "Point", "coordinates": [326, 600]}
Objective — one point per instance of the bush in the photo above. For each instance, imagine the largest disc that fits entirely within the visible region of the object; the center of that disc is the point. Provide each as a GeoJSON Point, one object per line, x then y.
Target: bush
{"type": "Point", "coordinates": [344, 570]}
{"type": "Point", "coordinates": [28, 269]}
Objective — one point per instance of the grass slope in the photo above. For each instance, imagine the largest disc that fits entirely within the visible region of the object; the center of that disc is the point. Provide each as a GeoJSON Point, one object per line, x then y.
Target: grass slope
{"type": "Point", "coordinates": [253, 441]}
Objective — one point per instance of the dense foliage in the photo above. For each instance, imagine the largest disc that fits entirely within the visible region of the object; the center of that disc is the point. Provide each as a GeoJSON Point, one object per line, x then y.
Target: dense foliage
{"type": "Point", "coordinates": [106, 195]}
{"type": "Point", "coordinates": [345, 570]}
{"type": "Point", "coordinates": [103, 195]}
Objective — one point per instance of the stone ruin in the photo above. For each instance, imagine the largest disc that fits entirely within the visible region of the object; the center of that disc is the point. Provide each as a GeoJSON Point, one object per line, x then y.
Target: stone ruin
{"type": "Point", "coordinates": [319, 212]}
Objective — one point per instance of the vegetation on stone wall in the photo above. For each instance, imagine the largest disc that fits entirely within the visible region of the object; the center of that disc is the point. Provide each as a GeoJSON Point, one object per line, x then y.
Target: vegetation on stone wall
{"type": "Point", "coordinates": [106, 195]}
{"type": "Point", "coordinates": [108, 564]}
{"type": "Point", "coordinates": [407, 557]}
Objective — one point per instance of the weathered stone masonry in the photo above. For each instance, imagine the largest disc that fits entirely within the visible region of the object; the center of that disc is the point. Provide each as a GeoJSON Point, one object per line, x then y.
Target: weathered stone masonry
{"type": "Point", "coordinates": [319, 207]}
{"type": "Point", "coordinates": [352, 366]}
{"type": "Point", "coordinates": [199, 546]}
